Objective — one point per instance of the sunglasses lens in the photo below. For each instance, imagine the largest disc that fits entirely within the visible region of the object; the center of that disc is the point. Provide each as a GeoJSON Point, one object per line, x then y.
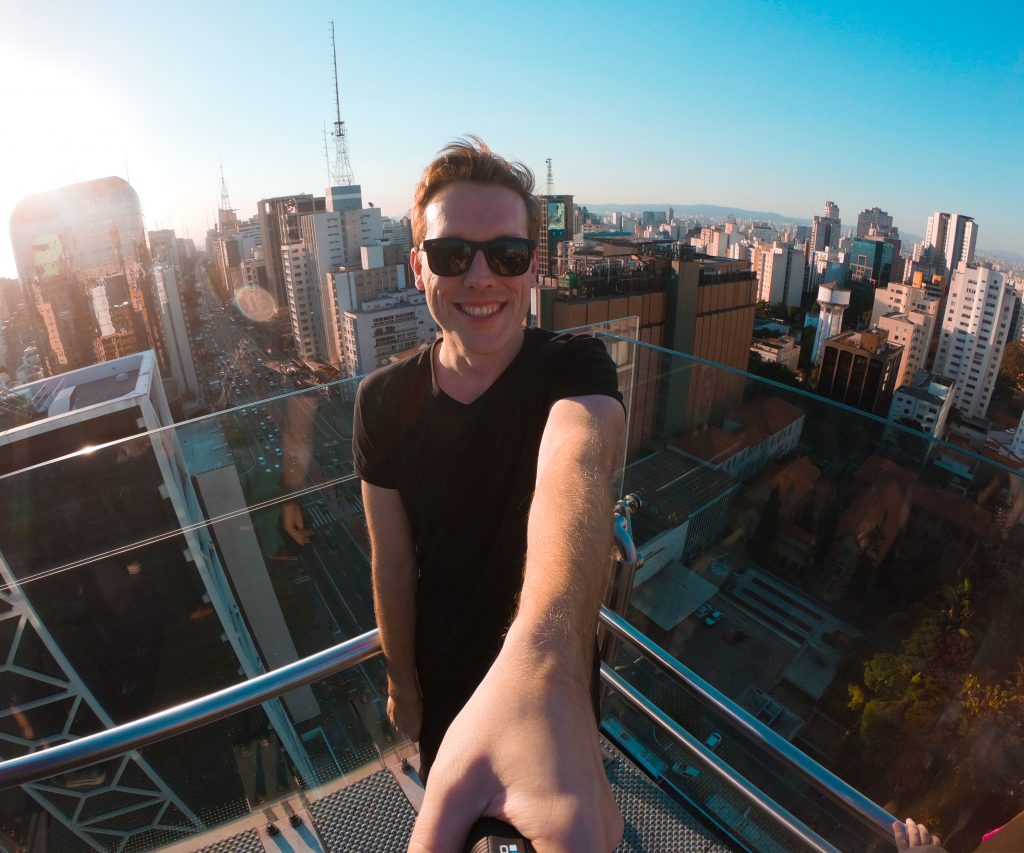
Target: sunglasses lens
{"type": "Point", "coordinates": [509, 257]}
{"type": "Point", "coordinates": [449, 257]}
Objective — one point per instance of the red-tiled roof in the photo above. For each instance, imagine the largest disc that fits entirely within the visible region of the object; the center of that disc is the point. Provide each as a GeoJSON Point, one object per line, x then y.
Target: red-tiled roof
{"type": "Point", "coordinates": [770, 415]}
{"type": "Point", "coordinates": [715, 444]}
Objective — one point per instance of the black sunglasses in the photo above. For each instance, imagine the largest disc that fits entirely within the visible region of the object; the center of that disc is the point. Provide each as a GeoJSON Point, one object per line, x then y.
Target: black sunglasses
{"type": "Point", "coordinates": [505, 256]}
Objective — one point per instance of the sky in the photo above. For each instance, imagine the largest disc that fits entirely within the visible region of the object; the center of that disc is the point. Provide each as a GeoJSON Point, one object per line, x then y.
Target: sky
{"type": "Point", "coordinates": [914, 107]}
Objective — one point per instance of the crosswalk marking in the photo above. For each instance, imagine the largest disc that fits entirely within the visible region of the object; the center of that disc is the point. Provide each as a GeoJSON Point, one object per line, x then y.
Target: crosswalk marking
{"type": "Point", "coordinates": [319, 514]}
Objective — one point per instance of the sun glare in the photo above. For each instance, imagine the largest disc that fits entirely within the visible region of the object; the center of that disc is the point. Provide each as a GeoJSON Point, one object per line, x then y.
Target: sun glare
{"type": "Point", "coordinates": [60, 127]}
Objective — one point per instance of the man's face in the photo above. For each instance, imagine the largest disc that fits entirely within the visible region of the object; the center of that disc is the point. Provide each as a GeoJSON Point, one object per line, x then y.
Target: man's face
{"type": "Point", "coordinates": [480, 312]}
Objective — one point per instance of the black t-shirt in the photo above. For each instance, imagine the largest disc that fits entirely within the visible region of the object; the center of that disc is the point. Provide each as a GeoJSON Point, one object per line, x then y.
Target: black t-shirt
{"type": "Point", "coordinates": [466, 473]}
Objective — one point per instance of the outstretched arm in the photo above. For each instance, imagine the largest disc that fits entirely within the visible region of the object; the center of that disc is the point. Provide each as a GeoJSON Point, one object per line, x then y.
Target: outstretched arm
{"type": "Point", "coordinates": [525, 746]}
{"type": "Point", "coordinates": [393, 567]}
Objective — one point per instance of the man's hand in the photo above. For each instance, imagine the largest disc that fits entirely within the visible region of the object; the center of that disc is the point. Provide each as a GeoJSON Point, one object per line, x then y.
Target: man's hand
{"type": "Point", "coordinates": [293, 523]}
{"type": "Point", "coordinates": [916, 835]}
{"type": "Point", "coordinates": [405, 709]}
{"type": "Point", "coordinates": [523, 749]}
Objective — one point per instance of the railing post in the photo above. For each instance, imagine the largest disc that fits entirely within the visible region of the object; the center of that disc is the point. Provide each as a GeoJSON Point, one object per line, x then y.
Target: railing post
{"type": "Point", "coordinates": [625, 563]}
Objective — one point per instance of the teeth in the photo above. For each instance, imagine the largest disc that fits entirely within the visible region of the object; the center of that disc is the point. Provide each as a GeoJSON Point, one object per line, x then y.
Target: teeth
{"type": "Point", "coordinates": [480, 310]}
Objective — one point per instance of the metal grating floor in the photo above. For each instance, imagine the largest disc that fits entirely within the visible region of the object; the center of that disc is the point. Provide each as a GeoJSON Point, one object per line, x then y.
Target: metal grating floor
{"type": "Point", "coordinates": [373, 815]}
{"type": "Point", "coordinates": [654, 822]}
{"type": "Point", "coordinates": [244, 842]}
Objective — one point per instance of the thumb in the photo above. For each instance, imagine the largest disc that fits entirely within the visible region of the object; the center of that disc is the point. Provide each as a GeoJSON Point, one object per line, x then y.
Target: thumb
{"type": "Point", "coordinates": [450, 808]}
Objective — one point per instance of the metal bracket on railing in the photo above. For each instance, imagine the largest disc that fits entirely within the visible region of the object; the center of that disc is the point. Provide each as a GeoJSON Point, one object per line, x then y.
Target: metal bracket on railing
{"type": "Point", "coordinates": [627, 559]}
{"type": "Point", "coordinates": [625, 563]}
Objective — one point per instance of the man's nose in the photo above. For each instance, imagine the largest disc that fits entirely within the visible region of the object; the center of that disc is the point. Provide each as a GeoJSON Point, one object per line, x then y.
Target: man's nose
{"type": "Point", "coordinates": [479, 274]}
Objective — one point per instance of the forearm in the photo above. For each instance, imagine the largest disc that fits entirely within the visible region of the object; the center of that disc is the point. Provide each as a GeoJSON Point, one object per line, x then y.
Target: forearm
{"type": "Point", "coordinates": [569, 538]}
{"type": "Point", "coordinates": [297, 442]}
{"type": "Point", "coordinates": [394, 601]}
{"type": "Point", "coordinates": [393, 575]}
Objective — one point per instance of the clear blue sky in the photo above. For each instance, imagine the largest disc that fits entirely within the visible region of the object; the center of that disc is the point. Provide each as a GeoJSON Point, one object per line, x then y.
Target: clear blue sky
{"type": "Point", "coordinates": [769, 106]}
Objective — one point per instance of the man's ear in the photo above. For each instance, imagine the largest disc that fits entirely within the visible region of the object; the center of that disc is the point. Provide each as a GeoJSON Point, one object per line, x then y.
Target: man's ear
{"type": "Point", "coordinates": [416, 258]}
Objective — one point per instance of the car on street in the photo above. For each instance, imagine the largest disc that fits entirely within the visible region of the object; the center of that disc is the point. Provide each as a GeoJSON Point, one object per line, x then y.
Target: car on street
{"type": "Point", "coordinates": [688, 770]}
{"type": "Point", "coordinates": [703, 611]}
{"type": "Point", "coordinates": [713, 740]}
{"type": "Point", "coordinates": [713, 617]}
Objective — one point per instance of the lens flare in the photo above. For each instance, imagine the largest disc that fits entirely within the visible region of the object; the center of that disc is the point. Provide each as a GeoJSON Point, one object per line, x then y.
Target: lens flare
{"type": "Point", "coordinates": [255, 303]}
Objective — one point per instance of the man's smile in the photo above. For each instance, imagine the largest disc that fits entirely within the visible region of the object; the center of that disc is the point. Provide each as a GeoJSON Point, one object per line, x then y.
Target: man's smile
{"type": "Point", "coordinates": [480, 309]}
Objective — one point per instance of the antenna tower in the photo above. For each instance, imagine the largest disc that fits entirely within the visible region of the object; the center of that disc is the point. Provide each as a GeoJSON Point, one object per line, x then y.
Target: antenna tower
{"type": "Point", "coordinates": [225, 202]}
{"type": "Point", "coordinates": [327, 157]}
{"type": "Point", "coordinates": [341, 172]}
{"type": "Point", "coordinates": [551, 181]}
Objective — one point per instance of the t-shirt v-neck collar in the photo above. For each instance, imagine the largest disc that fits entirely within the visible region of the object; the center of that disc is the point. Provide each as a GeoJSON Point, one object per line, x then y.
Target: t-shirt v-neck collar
{"type": "Point", "coordinates": [440, 394]}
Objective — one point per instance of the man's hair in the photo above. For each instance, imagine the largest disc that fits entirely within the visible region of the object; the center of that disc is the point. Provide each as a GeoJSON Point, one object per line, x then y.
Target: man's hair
{"type": "Point", "coordinates": [470, 160]}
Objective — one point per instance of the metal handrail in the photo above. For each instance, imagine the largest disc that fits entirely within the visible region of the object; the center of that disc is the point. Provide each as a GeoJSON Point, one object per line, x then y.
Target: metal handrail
{"type": "Point", "coordinates": [791, 823]}
{"type": "Point", "coordinates": [189, 715]}
{"type": "Point", "coordinates": [794, 758]}
{"type": "Point", "coordinates": [239, 697]}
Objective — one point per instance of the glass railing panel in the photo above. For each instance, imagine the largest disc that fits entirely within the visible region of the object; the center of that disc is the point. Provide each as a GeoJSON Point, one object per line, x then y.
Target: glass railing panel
{"type": "Point", "coordinates": [690, 779]}
{"type": "Point", "coordinates": [844, 579]}
{"type": "Point", "coordinates": [226, 778]}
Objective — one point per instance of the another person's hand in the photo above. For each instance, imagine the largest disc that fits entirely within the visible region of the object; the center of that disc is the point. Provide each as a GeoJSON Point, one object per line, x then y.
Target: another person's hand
{"type": "Point", "coordinates": [524, 749]}
{"type": "Point", "coordinates": [405, 709]}
{"type": "Point", "coordinates": [293, 523]}
{"type": "Point", "coordinates": [917, 836]}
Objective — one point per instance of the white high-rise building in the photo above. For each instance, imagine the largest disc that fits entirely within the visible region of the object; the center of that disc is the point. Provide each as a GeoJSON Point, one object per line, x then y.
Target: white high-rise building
{"type": "Point", "coordinates": [177, 340]}
{"type": "Point", "coordinates": [329, 240]}
{"type": "Point", "coordinates": [780, 274]}
{"type": "Point", "coordinates": [952, 238]}
{"type": "Point", "coordinates": [385, 327]}
{"type": "Point", "coordinates": [973, 334]}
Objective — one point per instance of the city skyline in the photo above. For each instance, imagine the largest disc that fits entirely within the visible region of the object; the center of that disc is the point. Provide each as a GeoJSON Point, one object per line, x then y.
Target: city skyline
{"type": "Point", "coordinates": [754, 109]}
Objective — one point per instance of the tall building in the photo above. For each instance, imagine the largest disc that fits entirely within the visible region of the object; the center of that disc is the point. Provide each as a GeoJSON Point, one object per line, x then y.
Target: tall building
{"type": "Point", "coordinates": [910, 316]}
{"type": "Point", "coordinates": [383, 328]}
{"type": "Point", "coordinates": [860, 369]}
{"type": "Point", "coordinates": [872, 262]}
{"type": "Point", "coordinates": [183, 381]}
{"type": "Point", "coordinates": [780, 273]}
{"type": "Point", "coordinates": [338, 199]}
{"type": "Point", "coordinates": [279, 226]}
{"type": "Point", "coordinates": [951, 239]}
{"type": "Point", "coordinates": [873, 220]}
{"type": "Point", "coordinates": [685, 301]}
{"type": "Point", "coordinates": [328, 240]}
{"type": "Point", "coordinates": [349, 290]}
{"type": "Point", "coordinates": [69, 241]}
{"type": "Point", "coordinates": [556, 223]}
{"type": "Point", "coordinates": [118, 602]}
{"type": "Point", "coordinates": [826, 229]}
{"type": "Point", "coordinates": [974, 329]}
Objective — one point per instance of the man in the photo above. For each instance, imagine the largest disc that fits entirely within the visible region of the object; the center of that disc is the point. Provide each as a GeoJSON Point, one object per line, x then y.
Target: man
{"type": "Point", "coordinates": [487, 462]}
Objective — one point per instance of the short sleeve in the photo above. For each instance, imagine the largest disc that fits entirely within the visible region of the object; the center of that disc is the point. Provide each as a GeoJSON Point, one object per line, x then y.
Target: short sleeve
{"type": "Point", "coordinates": [371, 457]}
{"type": "Point", "coordinates": [583, 367]}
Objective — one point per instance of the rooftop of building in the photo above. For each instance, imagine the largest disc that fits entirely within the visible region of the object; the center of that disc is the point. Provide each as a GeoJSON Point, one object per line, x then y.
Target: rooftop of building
{"type": "Point", "coordinates": [770, 415]}
{"type": "Point", "coordinates": [929, 387]}
{"type": "Point", "coordinates": [77, 390]}
{"type": "Point", "coordinates": [716, 445]}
